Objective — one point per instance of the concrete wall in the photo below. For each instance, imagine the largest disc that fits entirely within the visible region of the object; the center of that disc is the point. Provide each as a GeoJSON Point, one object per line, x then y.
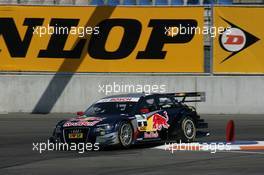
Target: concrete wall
{"type": "Point", "coordinates": [224, 94]}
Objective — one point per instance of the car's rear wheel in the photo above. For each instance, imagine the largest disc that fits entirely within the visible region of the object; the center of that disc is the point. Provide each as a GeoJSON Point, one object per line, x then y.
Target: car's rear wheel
{"type": "Point", "coordinates": [187, 130]}
{"type": "Point", "coordinates": [125, 134]}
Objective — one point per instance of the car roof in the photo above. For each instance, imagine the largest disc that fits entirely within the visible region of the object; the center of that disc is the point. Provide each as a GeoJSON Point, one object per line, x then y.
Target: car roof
{"type": "Point", "coordinates": [129, 97]}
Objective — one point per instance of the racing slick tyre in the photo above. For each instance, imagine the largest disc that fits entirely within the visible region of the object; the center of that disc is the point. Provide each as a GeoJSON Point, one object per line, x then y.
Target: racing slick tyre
{"type": "Point", "coordinates": [125, 134]}
{"type": "Point", "coordinates": [187, 130]}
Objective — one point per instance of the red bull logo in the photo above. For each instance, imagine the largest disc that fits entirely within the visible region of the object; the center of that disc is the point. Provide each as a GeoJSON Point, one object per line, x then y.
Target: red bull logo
{"type": "Point", "coordinates": [160, 121]}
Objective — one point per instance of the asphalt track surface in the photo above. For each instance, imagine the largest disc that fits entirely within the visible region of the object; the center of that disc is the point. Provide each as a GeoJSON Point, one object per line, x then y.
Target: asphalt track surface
{"type": "Point", "coordinates": [19, 131]}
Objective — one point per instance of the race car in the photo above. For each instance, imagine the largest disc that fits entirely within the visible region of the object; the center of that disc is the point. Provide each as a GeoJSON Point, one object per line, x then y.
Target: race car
{"type": "Point", "coordinates": [135, 118]}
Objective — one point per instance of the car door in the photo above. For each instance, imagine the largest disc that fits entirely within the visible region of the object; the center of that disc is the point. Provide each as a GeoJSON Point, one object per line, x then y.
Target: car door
{"type": "Point", "coordinates": [172, 108]}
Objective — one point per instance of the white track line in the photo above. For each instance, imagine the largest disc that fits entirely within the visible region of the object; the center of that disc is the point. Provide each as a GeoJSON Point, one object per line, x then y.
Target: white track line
{"type": "Point", "coordinates": [244, 152]}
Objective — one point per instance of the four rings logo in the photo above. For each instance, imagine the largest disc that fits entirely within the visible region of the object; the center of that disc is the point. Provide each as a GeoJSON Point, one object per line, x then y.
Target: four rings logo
{"type": "Point", "coordinates": [235, 39]}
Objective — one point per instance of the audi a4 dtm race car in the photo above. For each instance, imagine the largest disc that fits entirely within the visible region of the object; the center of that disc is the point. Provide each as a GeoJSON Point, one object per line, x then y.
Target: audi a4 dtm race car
{"type": "Point", "coordinates": [135, 118]}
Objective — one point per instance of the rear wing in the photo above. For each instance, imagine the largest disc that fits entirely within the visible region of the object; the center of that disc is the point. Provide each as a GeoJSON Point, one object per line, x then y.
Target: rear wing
{"type": "Point", "coordinates": [192, 96]}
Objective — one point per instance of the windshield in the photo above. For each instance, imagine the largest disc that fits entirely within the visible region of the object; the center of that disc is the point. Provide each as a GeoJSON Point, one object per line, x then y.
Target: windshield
{"type": "Point", "coordinates": [111, 108]}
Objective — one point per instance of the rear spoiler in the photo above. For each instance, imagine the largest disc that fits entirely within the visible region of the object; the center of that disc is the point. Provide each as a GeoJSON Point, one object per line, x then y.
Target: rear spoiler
{"type": "Point", "coordinates": [184, 95]}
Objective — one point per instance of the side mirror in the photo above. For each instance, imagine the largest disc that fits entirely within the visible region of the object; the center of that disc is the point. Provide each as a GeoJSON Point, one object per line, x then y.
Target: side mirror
{"type": "Point", "coordinates": [80, 113]}
{"type": "Point", "coordinates": [144, 110]}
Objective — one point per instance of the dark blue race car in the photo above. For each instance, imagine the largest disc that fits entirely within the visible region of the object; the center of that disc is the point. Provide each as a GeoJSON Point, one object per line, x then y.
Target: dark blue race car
{"type": "Point", "coordinates": [135, 118]}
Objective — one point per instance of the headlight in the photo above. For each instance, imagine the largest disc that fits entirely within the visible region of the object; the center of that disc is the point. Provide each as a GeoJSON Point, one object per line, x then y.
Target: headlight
{"type": "Point", "coordinates": [104, 128]}
{"type": "Point", "coordinates": [58, 129]}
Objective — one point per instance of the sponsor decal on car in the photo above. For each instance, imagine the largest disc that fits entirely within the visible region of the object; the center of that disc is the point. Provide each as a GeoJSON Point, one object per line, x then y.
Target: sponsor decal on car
{"type": "Point", "coordinates": [153, 122]}
{"type": "Point", "coordinates": [160, 121]}
{"type": "Point", "coordinates": [75, 135]}
{"type": "Point", "coordinates": [83, 121]}
{"type": "Point", "coordinates": [121, 99]}
{"type": "Point", "coordinates": [148, 135]}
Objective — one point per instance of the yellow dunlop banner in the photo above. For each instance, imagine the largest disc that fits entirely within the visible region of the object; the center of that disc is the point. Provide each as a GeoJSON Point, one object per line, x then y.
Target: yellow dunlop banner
{"type": "Point", "coordinates": [100, 39]}
{"type": "Point", "coordinates": [240, 48]}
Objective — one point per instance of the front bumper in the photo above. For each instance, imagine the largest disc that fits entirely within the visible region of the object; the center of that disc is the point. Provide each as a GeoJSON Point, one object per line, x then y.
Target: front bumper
{"type": "Point", "coordinates": [89, 135]}
{"type": "Point", "coordinates": [108, 139]}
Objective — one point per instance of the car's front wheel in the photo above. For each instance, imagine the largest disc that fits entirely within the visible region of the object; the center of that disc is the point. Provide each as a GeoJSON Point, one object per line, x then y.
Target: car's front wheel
{"type": "Point", "coordinates": [125, 134]}
{"type": "Point", "coordinates": [187, 130]}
